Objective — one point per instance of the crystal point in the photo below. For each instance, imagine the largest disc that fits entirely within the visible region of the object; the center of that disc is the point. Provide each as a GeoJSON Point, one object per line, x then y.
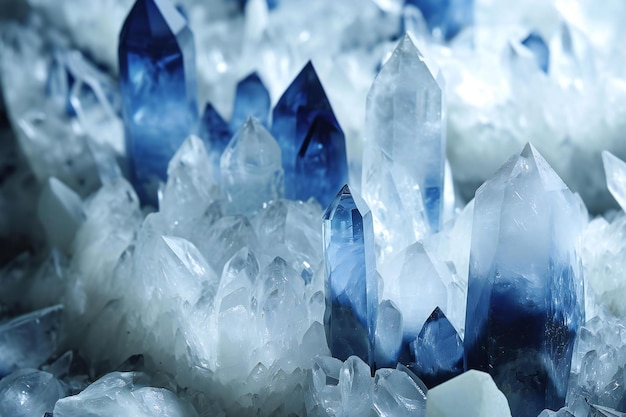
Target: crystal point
{"type": "Point", "coordinates": [215, 133]}
{"type": "Point", "coordinates": [158, 82]}
{"type": "Point", "coordinates": [535, 43]}
{"type": "Point", "coordinates": [351, 284]}
{"type": "Point", "coordinates": [404, 150]}
{"type": "Point", "coordinates": [525, 288]}
{"type": "Point", "coordinates": [615, 171]}
{"type": "Point", "coordinates": [312, 142]}
{"type": "Point", "coordinates": [251, 100]}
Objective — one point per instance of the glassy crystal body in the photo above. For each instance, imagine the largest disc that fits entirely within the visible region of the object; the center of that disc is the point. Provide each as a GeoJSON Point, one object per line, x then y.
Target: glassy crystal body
{"type": "Point", "coordinates": [535, 43]}
{"type": "Point", "coordinates": [351, 284]}
{"type": "Point", "coordinates": [404, 150]}
{"type": "Point", "coordinates": [215, 133]}
{"type": "Point", "coordinates": [525, 289]}
{"type": "Point", "coordinates": [312, 142]}
{"type": "Point", "coordinates": [438, 350]}
{"type": "Point", "coordinates": [445, 18]}
{"type": "Point", "coordinates": [158, 84]}
{"type": "Point", "coordinates": [251, 172]}
{"type": "Point", "coordinates": [251, 100]}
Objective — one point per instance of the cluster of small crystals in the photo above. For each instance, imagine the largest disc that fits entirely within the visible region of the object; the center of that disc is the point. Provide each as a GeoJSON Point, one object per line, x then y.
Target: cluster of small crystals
{"type": "Point", "coordinates": [240, 294]}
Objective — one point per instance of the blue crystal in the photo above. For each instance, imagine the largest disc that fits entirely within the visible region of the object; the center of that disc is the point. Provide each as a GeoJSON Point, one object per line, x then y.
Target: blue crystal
{"type": "Point", "coordinates": [158, 84]}
{"type": "Point", "coordinates": [215, 133]}
{"type": "Point", "coordinates": [312, 143]}
{"type": "Point", "coordinates": [28, 341]}
{"type": "Point", "coordinates": [535, 43]}
{"type": "Point", "coordinates": [271, 4]}
{"type": "Point", "coordinates": [251, 100]}
{"type": "Point", "coordinates": [351, 283]}
{"type": "Point", "coordinates": [438, 350]}
{"type": "Point", "coordinates": [445, 18]}
{"type": "Point", "coordinates": [525, 288]}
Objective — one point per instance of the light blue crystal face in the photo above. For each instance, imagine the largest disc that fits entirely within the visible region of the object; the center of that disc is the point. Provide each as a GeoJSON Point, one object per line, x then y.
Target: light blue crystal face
{"type": "Point", "coordinates": [158, 84]}
{"type": "Point", "coordinates": [312, 142]}
{"type": "Point", "coordinates": [438, 350]}
{"type": "Point", "coordinates": [535, 43]}
{"type": "Point", "coordinates": [251, 100]}
{"type": "Point", "coordinates": [215, 133]}
{"type": "Point", "coordinates": [29, 392]}
{"type": "Point", "coordinates": [445, 18]}
{"type": "Point", "coordinates": [351, 285]}
{"type": "Point", "coordinates": [525, 288]}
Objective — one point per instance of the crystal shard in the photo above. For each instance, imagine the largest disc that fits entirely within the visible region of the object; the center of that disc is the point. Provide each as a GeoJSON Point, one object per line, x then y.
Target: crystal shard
{"type": "Point", "coordinates": [351, 284]}
{"type": "Point", "coordinates": [251, 172]}
{"type": "Point", "coordinates": [445, 19]}
{"type": "Point", "coordinates": [158, 82]}
{"type": "Point", "coordinates": [525, 288]}
{"type": "Point", "coordinates": [404, 150]}
{"type": "Point", "coordinates": [615, 171]}
{"type": "Point", "coordinates": [312, 143]}
{"type": "Point", "coordinates": [438, 350]}
{"type": "Point", "coordinates": [535, 43]}
{"type": "Point", "coordinates": [251, 100]}
{"type": "Point", "coordinates": [216, 134]}
{"type": "Point", "coordinates": [388, 339]}
{"type": "Point", "coordinates": [396, 394]}
{"type": "Point", "coordinates": [29, 393]}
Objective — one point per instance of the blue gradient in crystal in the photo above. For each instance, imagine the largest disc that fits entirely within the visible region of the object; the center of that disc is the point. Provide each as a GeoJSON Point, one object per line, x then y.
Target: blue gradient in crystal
{"type": "Point", "coordinates": [271, 4]}
{"type": "Point", "coordinates": [448, 17]}
{"type": "Point", "coordinates": [438, 350]}
{"type": "Point", "coordinates": [158, 84]}
{"type": "Point", "coordinates": [215, 133]}
{"type": "Point", "coordinates": [321, 163]}
{"type": "Point", "coordinates": [535, 43]}
{"type": "Point", "coordinates": [310, 139]}
{"type": "Point", "coordinates": [251, 100]}
{"type": "Point", "coordinates": [351, 284]}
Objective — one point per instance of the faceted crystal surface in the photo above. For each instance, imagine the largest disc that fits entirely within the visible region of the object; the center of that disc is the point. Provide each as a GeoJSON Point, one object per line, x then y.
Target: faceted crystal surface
{"type": "Point", "coordinates": [404, 150]}
{"type": "Point", "coordinates": [29, 393]}
{"type": "Point", "coordinates": [525, 289]}
{"type": "Point", "coordinates": [312, 142]}
{"type": "Point", "coordinates": [158, 83]}
{"type": "Point", "coordinates": [438, 350]}
{"type": "Point", "coordinates": [351, 284]}
{"type": "Point", "coordinates": [251, 171]}
{"type": "Point", "coordinates": [445, 19]}
{"type": "Point", "coordinates": [29, 340]}
{"type": "Point", "coordinates": [615, 171]}
{"type": "Point", "coordinates": [535, 43]}
{"type": "Point", "coordinates": [251, 100]}
{"type": "Point", "coordinates": [216, 134]}
{"type": "Point", "coordinates": [388, 341]}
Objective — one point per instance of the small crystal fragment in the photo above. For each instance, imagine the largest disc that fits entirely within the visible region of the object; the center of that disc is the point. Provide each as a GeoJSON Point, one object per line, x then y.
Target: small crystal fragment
{"type": "Point", "coordinates": [615, 171]}
{"type": "Point", "coordinates": [158, 83]}
{"type": "Point", "coordinates": [396, 394]}
{"type": "Point", "coordinates": [251, 100]}
{"type": "Point", "coordinates": [471, 394]}
{"type": "Point", "coordinates": [438, 350]}
{"type": "Point", "coordinates": [389, 332]}
{"type": "Point", "coordinates": [312, 143]}
{"type": "Point", "coordinates": [251, 170]}
{"type": "Point", "coordinates": [351, 284]}
{"type": "Point", "coordinates": [29, 393]}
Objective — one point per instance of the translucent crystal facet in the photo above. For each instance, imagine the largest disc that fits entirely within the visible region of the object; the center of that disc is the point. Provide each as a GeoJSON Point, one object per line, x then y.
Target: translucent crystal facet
{"type": "Point", "coordinates": [445, 19]}
{"type": "Point", "coordinates": [216, 134]}
{"type": "Point", "coordinates": [615, 171]}
{"type": "Point", "coordinates": [251, 172]}
{"type": "Point", "coordinates": [525, 288]}
{"type": "Point", "coordinates": [312, 142]}
{"type": "Point", "coordinates": [438, 350]}
{"type": "Point", "coordinates": [535, 43]}
{"type": "Point", "coordinates": [404, 150]}
{"type": "Point", "coordinates": [351, 284]}
{"type": "Point", "coordinates": [251, 100]}
{"type": "Point", "coordinates": [29, 392]}
{"type": "Point", "coordinates": [158, 83]}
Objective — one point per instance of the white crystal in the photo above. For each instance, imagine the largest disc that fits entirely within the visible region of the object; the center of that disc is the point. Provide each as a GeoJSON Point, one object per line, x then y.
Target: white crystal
{"type": "Point", "coordinates": [388, 335]}
{"type": "Point", "coordinates": [251, 169]}
{"type": "Point", "coordinates": [396, 394]}
{"type": "Point", "coordinates": [471, 394]}
{"type": "Point", "coordinates": [29, 393]}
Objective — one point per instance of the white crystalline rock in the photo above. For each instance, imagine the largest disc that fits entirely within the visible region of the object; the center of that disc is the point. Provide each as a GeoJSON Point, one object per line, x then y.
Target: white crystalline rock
{"type": "Point", "coordinates": [251, 170]}
{"type": "Point", "coordinates": [29, 393]}
{"type": "Point", "coordinates": [615, 171]}
{"type": "Point", "coordinates": [60, 211]}
{"type": "Point", "coordinates": [404, 151]}
{"type": "Point", "coordinates": [471, 394]}
{"type": "Point", "coordinates": [123, 394]}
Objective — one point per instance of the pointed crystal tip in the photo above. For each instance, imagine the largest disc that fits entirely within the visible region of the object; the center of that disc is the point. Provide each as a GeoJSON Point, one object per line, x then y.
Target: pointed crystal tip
{"type": "Point", "coordinates": [615, 171]}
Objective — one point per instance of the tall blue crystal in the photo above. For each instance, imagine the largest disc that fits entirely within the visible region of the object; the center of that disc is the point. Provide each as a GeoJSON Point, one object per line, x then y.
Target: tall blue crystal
{"type": "Point", "coordinates": [445, 18]}
{"type": "Point", "coordinates": [251, 100]}
{"type": "Point", "coordinates": [535, 43]}
{"type": "Point", "coordinates": [215, 133]}
{"type": "Point", "coordinates": [158, 84]}
{"type": "Point", "coordinates": [351, 284]}
{"type": "Point", "coordinates": [525, 288]}
{"type": "Point", "coordinates": [312, 142]}
{"type": "Point", "coordinates": [438, 350]}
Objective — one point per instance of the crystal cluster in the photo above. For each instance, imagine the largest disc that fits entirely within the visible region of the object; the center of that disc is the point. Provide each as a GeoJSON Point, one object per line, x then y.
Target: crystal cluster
{"type": "Point", "coordinates": [264, 208]}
